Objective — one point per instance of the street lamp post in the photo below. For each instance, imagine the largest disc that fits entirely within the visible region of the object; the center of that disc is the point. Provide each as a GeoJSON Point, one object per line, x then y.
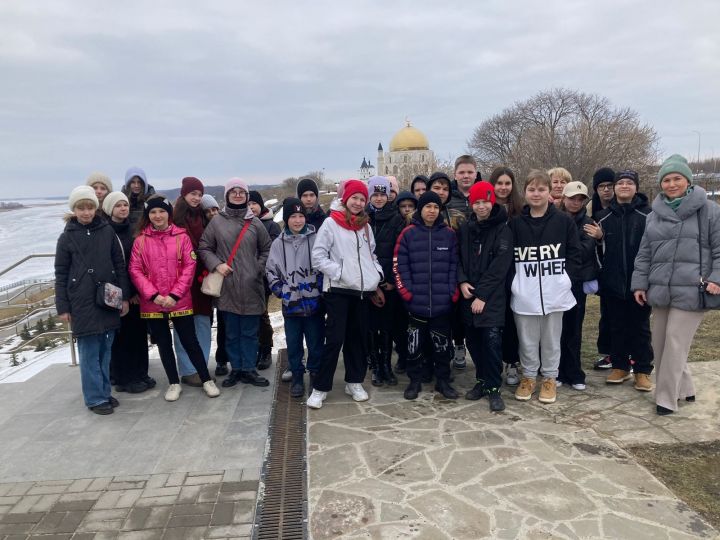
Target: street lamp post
{"type": "Point", "coordinates": [698, 152]}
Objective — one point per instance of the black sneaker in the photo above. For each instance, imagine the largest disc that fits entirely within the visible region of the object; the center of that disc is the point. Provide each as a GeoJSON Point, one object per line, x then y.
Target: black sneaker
{"type": "Point", "coordinates": [149, 381]}
{"type": "Point", "coordinates": [103, 409]}
{"type": "Point", "coordinates": [252, 377]}
{"type": "Point", "coordinates": [496, 401]}
{"type": "Point", "coordinates": [135, 387]}
{"type": "Point", "coordinates": [221, 370]}
{"type": "Point", "coordinates": [446, 390]}
{"type": "Point", "coordinates": [603, 363]}
{"type": "Point", "coordinates": [231, 380]}
{"type": "Point", "coordinates": [114, 402]}
{"type": "Point", "coordinates": [662, 411]}
{"type": "Point", "coordinates": [297, 387]}
{"type": "Point", "coordinates": [477, 392]}
{"type": "Point", "coordinates": [413, 390]}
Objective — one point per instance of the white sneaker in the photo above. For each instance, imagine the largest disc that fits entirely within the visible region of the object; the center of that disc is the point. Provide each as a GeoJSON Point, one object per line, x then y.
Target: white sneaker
{"type": "Point", "coordinates": [558, 384]}
{"type": "Point", "coordinates": [511, 375]}
{"type": "Point", "coordinates": [316, 399]}
{"type": "Point", "coordinates": [459, 360]}
{"type": "Point", "coordinates": [173, 392]}
{"type": "Point", "coordinates": [286, 376]}
{"type": "Point", "coordinates": [357, 392]}
{"type": "Point", "coordinates": [579, 386]}
{"type": "Point", "coordinates": [210, 389]}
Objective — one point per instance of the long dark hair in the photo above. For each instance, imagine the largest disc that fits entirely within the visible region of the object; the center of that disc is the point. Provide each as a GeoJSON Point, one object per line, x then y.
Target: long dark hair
{"type": "Point", "coordinates": [514, 201]}
{"type": "Point", "coordinates": [181, 209]}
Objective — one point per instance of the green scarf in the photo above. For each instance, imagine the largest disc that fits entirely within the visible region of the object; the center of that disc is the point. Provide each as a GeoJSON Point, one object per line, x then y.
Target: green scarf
{"type": "Point", "coordinates": [677, 201]}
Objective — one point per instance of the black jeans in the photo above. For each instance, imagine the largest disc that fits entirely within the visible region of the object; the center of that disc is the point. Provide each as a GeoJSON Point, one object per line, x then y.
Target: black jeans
{"type": "Point", "coordinates": [346, 329]}
{"type": "Point", "coordinates": [424, 333]}
{"type": "Point", "coordinates": [221, 356]}
{"type": "Point", "coordinates": [399, 327]}
{"type": "Point", "coordinates": [129, 360]}
{"type": "Point", "coordinates": [603, 340]}
{"type": "Point", "coordinates": [570, 370]}
{"type": "Point", "coordinates": [510, 344]}
{"type": "Point", "coordinates": [185, 327]}
{"type": "Point", "coordinates": [265, 335]}
{"type": "Point", "coordinates": [485, 346]}
{"type": "Point", "coordinates": [630, 335]}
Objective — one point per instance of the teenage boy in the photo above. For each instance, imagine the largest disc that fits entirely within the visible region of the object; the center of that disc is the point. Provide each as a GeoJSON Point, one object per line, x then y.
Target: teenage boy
{"type": "Point", "coordinates": [307, 192]}
{"type": "Point", "coordinates": [293, 279]}
{"type": "Point", "coordinates": [440, 184]}
{"type": "Point", "coordinates": [418, 186]}
{"type": "Point", "coordinates": [465, 176]}
{"type": "Point", "coordinates": [425, 267]}
{"type": "Point", "coordinates": [620, 228]}
{"type": "Point", "coordinates": [547, 260]}
{"type": "Point", "coordinates": [406, 204]}
{"type": "Point", "coordinates": [486, 256]}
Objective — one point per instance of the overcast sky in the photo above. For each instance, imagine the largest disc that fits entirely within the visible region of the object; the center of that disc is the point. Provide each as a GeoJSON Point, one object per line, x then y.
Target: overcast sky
{"type": "Point", "coordinates": [274, 89]}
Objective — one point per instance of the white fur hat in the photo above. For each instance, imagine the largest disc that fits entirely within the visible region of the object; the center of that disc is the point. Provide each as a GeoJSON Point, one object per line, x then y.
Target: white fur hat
{"type": "Point", "coordinates": [82, 193]}
{"type": "Point", "coordinates": [111, 199]}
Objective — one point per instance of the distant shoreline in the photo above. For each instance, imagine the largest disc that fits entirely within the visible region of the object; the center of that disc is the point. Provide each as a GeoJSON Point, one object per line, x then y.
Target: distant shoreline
{"type": "Point", "coordinates": [25, 207]}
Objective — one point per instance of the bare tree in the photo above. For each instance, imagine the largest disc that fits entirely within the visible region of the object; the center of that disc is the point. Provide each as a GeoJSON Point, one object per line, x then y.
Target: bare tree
{"type": "Point", "coordinates": [567, 128]}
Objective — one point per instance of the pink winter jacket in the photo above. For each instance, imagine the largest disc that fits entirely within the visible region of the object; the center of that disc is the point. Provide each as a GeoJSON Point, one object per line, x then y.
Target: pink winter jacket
{"type": "Point", "coordinates": [163, 262]}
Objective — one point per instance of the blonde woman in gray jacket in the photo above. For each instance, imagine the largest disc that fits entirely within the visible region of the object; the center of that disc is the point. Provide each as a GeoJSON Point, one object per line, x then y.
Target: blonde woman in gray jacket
{"type": "Point", "coordinates": [242, 300]}
{"type": "Point", "coordinates": [669, 276]}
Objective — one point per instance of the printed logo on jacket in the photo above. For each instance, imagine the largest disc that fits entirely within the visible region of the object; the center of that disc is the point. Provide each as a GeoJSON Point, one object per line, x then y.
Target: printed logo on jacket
{"type": "Point", "coordinates": [540, 260]}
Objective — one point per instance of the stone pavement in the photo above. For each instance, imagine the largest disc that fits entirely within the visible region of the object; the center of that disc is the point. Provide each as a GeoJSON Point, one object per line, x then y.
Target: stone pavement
{"type": "Point", "coordinates": [154, 469]}
{"type": "Point", "coordinates": [438, 469]}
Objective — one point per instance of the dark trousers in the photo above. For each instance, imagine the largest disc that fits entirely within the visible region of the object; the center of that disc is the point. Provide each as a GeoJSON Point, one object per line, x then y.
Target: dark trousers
{"type": "Point", "coordinates": [346, 329]}
{"type": "Point", "coordinates": [399, 331]}
{"type": "Point", "coordinates": [312, 329]}
{"type": "Point", "coordinates": [603, 340]}
{"type": "Point", "coordinates": [129, 360]}
{"type": "Point", "coordinates": [458, 325]}
{"type": "Point", "coordinates": [485, 346]}
{"type": "Point", "coordinates": [185, 327]}
{"type": "Point", "coordinates": [221, 356]}
{"type": "Point", "coordinates": [630, 335]}
{"type": "Point", "coordinates": [510, 344]}
{"type": "Point", "coordinates": [436, 333]}
{"type": "Point", "coordinates": [570, 371]}
{"type": "Point", "coordinates": [265, 334]}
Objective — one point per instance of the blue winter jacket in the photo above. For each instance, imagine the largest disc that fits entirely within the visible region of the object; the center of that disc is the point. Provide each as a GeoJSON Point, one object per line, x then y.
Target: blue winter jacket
{"type": "Point", "coordinates": [425, 268]}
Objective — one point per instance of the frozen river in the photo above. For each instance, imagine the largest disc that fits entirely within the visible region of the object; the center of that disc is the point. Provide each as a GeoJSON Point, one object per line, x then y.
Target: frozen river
{"type": "Point", "coordinates": [27, 231]}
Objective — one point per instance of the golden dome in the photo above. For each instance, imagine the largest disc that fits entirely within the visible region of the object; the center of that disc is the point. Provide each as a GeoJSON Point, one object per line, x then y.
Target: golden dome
{"type": "Point", "coordinates": [409, 138]}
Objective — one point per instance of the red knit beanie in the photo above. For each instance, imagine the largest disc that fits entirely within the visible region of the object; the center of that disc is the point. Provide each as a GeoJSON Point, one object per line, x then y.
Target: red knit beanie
{"type": "Point", "coordinates": [190, 183]}
{"type": "Point", "coordinates": [482, 191]}
{"type": "Point", "coordinates": [352, 187]}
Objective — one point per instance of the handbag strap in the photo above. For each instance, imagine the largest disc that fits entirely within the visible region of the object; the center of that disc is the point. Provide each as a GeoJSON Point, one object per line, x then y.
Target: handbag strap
{"type": "Point", "coordinates": [237, 242]}
{"type": "Point", "coordinates": [702, 278]}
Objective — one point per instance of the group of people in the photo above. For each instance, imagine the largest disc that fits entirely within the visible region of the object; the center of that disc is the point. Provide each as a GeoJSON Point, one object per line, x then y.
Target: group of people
{"type": "Point", "coordinates": [491, 267]}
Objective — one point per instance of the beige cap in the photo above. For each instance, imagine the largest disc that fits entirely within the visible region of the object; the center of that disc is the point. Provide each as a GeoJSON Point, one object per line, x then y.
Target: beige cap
{"type": "Point", "coordinates": [575, 188]}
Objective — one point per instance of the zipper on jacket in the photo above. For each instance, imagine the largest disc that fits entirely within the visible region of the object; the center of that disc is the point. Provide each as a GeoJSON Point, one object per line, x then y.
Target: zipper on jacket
{"type": "Point", "coordinates": [430, 273]}
{"type": "Point", "coordinates": [624, 254]}
{"type": "Point", "coordinates": [357, 246]}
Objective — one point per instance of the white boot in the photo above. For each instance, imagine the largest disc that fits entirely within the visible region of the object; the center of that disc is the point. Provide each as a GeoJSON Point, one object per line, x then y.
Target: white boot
{"type": "Point", "coordinates": [316, 399]}
{"type": "Point", "coordinates": [173, 392]}
{"type": "Point", "coordinates": [357, 392]}
{"type": "Point", "coordinates": [210, 389]}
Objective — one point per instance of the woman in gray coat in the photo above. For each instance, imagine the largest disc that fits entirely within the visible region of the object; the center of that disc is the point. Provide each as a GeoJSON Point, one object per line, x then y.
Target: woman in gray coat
{"type": "Point", "coordinates": [668, 275]}
{"type": "Point", "coordinates": [242, 299]}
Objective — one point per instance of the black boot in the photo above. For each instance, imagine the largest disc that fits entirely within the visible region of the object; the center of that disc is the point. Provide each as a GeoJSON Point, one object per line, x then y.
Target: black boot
{"type": "Point", "coordinates": [413, 390]}
{"type": "Point", "coordinates": [221, 369]}
{"type": "Point", "coordinates": [477, 392]}
{"type": "Point", "coordinates": [401, 364]}
{"type": "Point", "coordinates": [384, 358]}
{"type": "Point", "coordinates": [445, 389]}
{"type": "Point", "coordinates": [496, 401]}
{"type": "Point", "coordinates": [264, 359]}
{"type": "Point", "coordinates": [232, 379]}
{"type": "Point", "coordinates": [252, 377]}
{"type": "Point", "coordinates": [297, 386]}
{"type": "Point", "coordinates": [376, 376]}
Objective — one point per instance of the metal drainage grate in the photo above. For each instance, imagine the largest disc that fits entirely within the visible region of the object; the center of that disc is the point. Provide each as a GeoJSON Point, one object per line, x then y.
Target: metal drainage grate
{"type": "Point", "coordinates": [282, 502]}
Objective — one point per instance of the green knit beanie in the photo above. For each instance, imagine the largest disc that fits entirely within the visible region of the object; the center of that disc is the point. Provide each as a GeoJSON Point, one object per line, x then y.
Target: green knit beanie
{"type": "Point", "coordinates": [675, 164]}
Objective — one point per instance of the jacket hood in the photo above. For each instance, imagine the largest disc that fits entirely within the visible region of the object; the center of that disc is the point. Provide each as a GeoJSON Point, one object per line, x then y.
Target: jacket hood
{"type": "Point", "coordinates": [498, 215]}
{"type": "Point", "coordinates": [172, 230]}
{"type": "Point", "coordinates": [287, 236]}
{"type": "Point", "coordinates": [550, 211]}
{"type": "Point", "coordinates": [640, 200]}
{"type": "Point", "coordinates": [244, 213]}
{"type": "Point", "coordinates": [133, 172]}
{"type": "Point", "coordinates": [439, 222]}
{"type": "Point", "coordinates": [693, 201]}
{"type": "Point", "coordinates": [266, 215]}
{"type": "Point", "coordinates": [72, 224]}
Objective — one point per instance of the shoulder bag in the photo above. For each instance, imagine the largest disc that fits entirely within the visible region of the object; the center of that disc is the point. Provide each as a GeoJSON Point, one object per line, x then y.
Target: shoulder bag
{"type": "Point", "coordinates": [213, 282]}
{"type": "Point", "coordinates": [707, 300]}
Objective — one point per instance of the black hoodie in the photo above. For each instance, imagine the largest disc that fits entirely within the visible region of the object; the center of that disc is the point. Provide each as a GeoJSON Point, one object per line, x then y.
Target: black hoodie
{"type": "Point", "coordinates": [486, 257]}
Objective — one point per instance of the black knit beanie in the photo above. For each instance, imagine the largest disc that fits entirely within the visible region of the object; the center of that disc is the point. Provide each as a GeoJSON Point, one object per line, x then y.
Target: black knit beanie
{"type": "Point", "coordinates": [291, 206]}
{"type": "Point", "coordinates": [306, 184]}
{"type": "Point", "coordinates": [602, 176]}
{"type": "Point", "coordinates": [255, 197]}
{"type": "Point", "coordinates": [158, 201]}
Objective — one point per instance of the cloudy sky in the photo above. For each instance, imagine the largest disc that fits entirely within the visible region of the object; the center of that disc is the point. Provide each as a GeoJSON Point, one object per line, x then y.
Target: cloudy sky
{"type": "Point", "coordinates": [274, 89]}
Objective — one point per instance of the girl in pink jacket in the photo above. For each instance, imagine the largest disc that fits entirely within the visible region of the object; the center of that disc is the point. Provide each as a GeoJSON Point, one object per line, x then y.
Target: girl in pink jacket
{"type": "Point", "coordinates": [162, 267]}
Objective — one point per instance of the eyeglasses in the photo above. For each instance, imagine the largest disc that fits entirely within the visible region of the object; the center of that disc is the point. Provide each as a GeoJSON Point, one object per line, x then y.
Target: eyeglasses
{"type": "Point", "coordinates": [604, 187]}
{"type": "Point", "coordinates": [237, 191]}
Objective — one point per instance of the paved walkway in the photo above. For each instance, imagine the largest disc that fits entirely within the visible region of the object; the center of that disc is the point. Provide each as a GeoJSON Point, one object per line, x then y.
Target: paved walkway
{"type": "Point", "coordinates": [154, 469]}
{"type": "Point", "coordinates": [438, 469]}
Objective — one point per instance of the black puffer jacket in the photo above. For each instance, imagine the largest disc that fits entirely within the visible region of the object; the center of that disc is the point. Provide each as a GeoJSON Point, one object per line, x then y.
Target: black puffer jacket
{"type": "Point", "coordinates": [387, 224]}
{"type": "Point", "coordinates": [316, 217]}
{"type": "Point", "coordinates": [486, 258]}
{"type": "Point", "coordinates": [124, 232]}
{"type": "Point", "coordinates": [80, 248]}
{"type": "Point", "coordinates": [589, 266]}
{"type": "Point", "coordinates": [623, 226]}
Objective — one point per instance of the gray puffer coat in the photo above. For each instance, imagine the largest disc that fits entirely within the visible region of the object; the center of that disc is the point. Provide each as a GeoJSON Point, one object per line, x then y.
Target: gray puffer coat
{"type": "Point", "coordinates": [243, 291]}
{"type": "Point", "coordinates": [667, 265]}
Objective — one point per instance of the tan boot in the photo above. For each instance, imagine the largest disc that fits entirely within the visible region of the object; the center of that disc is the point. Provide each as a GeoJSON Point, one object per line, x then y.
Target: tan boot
{"type": "Point", "coordinates": [548, 391]}
{"type": "Point", "coordinates": [525, 391]}
{"type": "Point", "coordinates": [643, 382]}
{"type": "Point", "coordinates": [618, 376]}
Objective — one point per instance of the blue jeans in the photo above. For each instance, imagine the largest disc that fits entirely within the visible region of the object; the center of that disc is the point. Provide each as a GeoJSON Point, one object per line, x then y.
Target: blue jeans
{"type": "Point", "coordinates": [241, 340]}
{"type": "Point", "coordinates": [94, 352]}
{"type": "Point", "coordinates": [203, 332]}
{"type": "Point", "coordinates": [312, 328]}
